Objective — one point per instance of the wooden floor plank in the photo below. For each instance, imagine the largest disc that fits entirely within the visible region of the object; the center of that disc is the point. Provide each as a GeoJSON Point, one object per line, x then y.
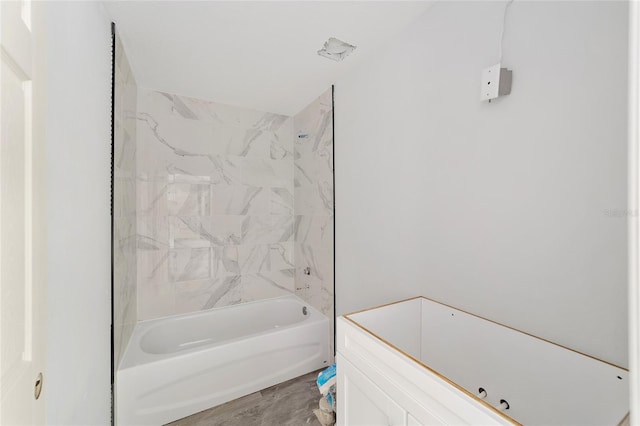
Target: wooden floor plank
{"type": "Point", "coordinates": [288, 404]}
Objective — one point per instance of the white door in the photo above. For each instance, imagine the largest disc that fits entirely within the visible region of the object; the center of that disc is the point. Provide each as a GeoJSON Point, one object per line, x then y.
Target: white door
{"type": "Point", "coordinates": [21, 215]}
{"type": "Point", "coordinates": [634, 197]}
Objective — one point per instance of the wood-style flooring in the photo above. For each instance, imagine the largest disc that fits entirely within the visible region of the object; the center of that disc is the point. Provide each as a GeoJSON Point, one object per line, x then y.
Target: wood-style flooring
{"type": "Point", "coordinates": [287, 404]}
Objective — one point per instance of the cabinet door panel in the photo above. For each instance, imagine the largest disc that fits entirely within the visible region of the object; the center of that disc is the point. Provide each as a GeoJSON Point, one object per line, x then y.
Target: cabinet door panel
{"type": "Point", "coordinates": [363, 403]}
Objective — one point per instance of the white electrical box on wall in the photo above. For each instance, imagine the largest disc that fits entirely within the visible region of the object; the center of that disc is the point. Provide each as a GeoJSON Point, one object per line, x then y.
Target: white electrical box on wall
{"type": "Point", "coordinates": [495, 82]}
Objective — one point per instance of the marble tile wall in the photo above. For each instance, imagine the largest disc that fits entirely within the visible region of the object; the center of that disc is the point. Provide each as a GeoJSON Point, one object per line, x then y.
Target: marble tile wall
{"type": "Point", "coordinates": [313, 195]}
{"type": "Point", "coordinates": [215, 205]}
{"type": "Point", "coordinates": [124, 203]}
{"type": "Point", "coordinates": [233, 205]}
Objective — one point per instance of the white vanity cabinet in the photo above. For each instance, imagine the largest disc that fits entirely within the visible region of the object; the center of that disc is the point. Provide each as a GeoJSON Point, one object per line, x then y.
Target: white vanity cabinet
{"type": "Point", "coordinates": [419, 362]}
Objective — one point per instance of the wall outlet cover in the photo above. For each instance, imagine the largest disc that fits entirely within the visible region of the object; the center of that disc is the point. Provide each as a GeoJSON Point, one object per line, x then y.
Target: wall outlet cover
{"type": "Point", "coordinates": [490, 82]}
{"type": "Point", "coordinates": [495, 82]}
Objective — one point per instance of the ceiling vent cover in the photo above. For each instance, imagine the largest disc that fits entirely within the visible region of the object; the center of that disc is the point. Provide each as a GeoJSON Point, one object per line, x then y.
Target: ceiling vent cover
{"type": "Point", "coordinates": [336, 49]}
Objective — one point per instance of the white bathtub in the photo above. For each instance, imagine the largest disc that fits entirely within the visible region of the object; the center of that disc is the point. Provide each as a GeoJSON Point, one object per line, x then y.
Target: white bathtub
{"type": "Point", "coordinates": [177, 366]}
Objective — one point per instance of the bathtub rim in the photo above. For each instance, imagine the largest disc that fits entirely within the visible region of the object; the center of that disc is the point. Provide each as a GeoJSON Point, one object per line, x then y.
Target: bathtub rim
{"type": "Point", "coordinates": [134, 356]}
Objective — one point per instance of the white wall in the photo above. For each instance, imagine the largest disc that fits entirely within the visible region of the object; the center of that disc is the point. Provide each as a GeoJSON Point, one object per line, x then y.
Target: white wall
{"type": "Point", "coordinates": [513, 210]}
{"type": "Point", "coordinates": [634, 195]}
{"type": "Point", "coordinates": [77, 379]}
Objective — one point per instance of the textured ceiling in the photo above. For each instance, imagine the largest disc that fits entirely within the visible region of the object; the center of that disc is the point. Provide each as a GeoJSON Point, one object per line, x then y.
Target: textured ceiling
{"type": "Point", "coordinates": [259, 55]}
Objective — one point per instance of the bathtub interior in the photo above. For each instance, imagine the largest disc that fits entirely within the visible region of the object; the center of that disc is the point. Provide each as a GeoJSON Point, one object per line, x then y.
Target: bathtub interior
{"type": "Point", "coordinates": [160, 338]}
{"type": "Point", "coordinates": [195, 330]}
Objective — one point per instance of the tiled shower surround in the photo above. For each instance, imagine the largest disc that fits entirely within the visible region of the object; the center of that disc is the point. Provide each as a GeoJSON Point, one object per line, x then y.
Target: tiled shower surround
{"type": "Point", "coordinates": [217, 214]}
{"type": "Point", "coordinates": [124, 203]}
